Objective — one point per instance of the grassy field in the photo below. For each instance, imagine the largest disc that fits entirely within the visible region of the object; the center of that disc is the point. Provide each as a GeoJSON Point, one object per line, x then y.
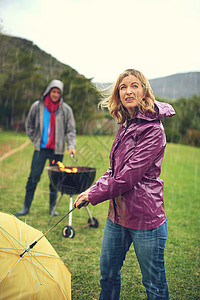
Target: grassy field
{"type": "Point", "coordinates": [9, 141]}
{"type": "Point", "coordinates": [181, 174]}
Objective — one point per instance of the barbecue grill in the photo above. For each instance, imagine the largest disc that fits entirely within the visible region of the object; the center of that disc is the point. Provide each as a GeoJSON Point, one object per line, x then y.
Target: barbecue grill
{"type": "Point", "coordinates": [72, 183]}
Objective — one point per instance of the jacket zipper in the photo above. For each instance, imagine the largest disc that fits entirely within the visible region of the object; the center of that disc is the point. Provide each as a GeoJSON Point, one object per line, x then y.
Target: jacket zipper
{"type": "Point", "coordinates": [118, 141]}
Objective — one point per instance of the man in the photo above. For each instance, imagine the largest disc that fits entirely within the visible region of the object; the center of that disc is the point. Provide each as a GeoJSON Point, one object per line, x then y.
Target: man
{"type": "Point", "coordinates": [49, 125]}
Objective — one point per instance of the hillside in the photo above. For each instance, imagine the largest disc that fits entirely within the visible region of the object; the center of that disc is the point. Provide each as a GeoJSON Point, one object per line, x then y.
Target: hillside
{"type": "Point", "coordinates": [177, 85]}
{"type": "Point", "coordinates": [25, 71]}
{"type": "Point", "coordinates": [11, 48]}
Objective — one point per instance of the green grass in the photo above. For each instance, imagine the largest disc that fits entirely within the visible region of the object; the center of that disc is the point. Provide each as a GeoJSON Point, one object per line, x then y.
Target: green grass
{"type": "Point", "coordinates": [181, 175]}
{"type": "Point", "coordinates": [7, 142]}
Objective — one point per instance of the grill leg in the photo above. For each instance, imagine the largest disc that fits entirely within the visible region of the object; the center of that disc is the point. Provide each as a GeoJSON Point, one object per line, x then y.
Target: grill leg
{"type": "Point", "coordinates": [55, 208]}
{"type": "Point", "coordinates": [89, 214]}
{"type": "Point", "coordinates": [70, 207]}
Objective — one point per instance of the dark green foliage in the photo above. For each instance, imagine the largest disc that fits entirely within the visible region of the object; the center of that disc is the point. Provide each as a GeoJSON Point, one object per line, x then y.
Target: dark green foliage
{"type": "Point", "coordinates": [18, 88]}
{"type": "Point", "coordinates": [184, 127]}
{"type": "Point", "coordinates": [82, 96]}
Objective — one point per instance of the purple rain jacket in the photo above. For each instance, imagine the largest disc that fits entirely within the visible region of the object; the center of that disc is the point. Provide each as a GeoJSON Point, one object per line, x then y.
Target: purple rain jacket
{"type": "Point", "coordinates": [132, 182]}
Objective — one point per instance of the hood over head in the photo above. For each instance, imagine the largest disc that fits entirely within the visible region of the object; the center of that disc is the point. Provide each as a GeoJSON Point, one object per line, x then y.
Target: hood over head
{"type": "Point", "coordinates": [54, 83]}
{"type": "Point", "coordinates": [163, 110]}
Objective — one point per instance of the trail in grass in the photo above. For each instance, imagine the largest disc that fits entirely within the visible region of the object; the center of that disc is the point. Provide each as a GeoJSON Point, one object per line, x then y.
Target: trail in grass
{"type": "Point", "coordinates": [9, 153]}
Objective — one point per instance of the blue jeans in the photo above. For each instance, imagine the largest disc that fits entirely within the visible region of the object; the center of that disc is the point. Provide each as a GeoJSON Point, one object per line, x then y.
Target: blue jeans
{"type": "Point", "coordinates": [149, 248]}
{"type": "Point", "coordinates": [37, 167]}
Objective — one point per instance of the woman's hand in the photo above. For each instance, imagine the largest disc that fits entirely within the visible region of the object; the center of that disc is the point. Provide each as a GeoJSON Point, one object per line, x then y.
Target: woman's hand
{"type": "Point", "coordinates": [82, 197]}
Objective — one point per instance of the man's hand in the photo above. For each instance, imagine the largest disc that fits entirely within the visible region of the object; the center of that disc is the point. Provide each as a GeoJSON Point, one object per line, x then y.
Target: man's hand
{"type": "Point", "coordinates": [72, 151]}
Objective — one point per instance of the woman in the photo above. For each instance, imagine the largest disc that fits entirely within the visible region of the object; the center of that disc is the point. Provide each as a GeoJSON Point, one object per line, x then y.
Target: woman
{"type": "Point", "coordinates": [136, 212]}
{"type": "Point", "coordinates": [49, 125]}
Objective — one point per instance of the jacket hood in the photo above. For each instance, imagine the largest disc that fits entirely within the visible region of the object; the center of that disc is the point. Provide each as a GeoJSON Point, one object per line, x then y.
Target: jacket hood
{"type": "Point", "coordinates": [163, 110]}
{"type": "Point", "coordinates": [54, 83]}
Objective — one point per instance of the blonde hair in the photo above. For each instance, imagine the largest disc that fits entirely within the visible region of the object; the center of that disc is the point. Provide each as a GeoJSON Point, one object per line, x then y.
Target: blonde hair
{"type": "Point", "coordinates": [114, 104]}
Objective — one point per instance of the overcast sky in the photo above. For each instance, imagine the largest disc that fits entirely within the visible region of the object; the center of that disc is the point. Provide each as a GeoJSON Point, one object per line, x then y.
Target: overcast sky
{"type": "Point", "coordinates": [102, 38]}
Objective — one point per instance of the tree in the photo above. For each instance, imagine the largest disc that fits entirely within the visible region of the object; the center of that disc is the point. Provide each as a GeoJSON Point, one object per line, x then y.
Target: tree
{"type": "Point", "coordinates": [82, 96]}
{"type": "Point", "coordinates": [184, 127]}
{"type": "Point", "coordinates": [18, 90]}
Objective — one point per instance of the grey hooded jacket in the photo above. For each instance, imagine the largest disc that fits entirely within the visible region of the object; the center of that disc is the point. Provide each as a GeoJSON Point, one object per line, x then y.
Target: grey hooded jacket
{"type": "Point", "coordinates": [64, 124]}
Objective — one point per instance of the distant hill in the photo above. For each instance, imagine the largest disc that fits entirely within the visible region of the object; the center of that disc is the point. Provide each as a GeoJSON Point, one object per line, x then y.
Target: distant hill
{"type": "Point", "coordinates": [45, 64]}
{"type": "Point", "coordinates": [177, 85]}
{"type": "Point", "coordinates": [172, 87]}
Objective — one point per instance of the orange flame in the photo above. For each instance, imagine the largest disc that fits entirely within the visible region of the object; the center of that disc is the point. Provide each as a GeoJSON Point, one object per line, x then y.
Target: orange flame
{"type": "Point", "coordinates": [67, 170]}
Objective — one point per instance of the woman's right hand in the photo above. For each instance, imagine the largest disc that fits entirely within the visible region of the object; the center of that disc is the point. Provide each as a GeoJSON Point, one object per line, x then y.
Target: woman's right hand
{"type": "Point", "coordinates": [82, 197]}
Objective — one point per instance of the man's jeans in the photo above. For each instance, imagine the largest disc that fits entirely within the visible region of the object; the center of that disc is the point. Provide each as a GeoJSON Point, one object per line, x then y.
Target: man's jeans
{"type": "Point", "coordinates": [37, 167]}
{"type": "Point", "coordinates": [149, 248]}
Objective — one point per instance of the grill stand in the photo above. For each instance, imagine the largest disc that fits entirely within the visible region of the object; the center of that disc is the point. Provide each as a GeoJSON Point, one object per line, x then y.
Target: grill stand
{"type": "Point", "coordinates": [69, 231]}
{"type": "Point", "coordinates": [70, 207]}
{"type": "Point", "coordinates": [52, 213]}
